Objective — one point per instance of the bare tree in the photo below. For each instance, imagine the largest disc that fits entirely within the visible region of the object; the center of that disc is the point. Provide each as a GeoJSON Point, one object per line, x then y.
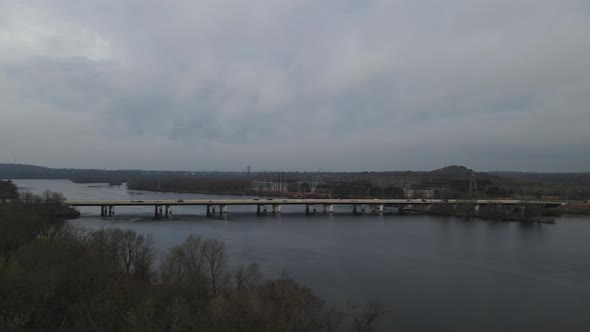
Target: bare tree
{"type": "Point", "coordinates": [184, 264]}
{"type": "Point", "coordinates": [364, 319]}
{"type": "Point", "coordinates": [333, 319]}
{"type": "Point", "coordinates": [246, 278]}
{"type": "Point", "coordinates": [135, 252]}
{"type": "Point", "coordinates": [289, 306]}
{"type": "Point", "coordinates": [27, 197]}
{"type": "Point", "coordinates": [215, 257]}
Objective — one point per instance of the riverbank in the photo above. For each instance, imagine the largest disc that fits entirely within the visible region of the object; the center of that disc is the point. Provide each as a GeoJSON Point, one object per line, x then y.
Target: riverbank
{"type": "Point", "coordinates": [50, 211]}
{"type": "Point", "coordinates": [526, 219]}
{"type": "Point", "coordinates": [575, 209]}
{"type": "Point", "coordinates": [497, 213]}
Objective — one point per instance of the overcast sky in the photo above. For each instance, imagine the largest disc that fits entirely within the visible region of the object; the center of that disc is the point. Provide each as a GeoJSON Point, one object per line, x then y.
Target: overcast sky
{"type": "Point", "coordinates": [296, 84]}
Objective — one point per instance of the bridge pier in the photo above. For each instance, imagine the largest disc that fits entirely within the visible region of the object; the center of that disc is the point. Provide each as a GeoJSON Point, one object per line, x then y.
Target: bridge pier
{"type": "Point", "coordinates": [400, 210]}
{"type": "Point", "coordinates": [353, 208]}
{"type": "Point", "coordinates": [324, 208]}
{"type": "Point", "coordinates": [381, 208]}
{"type": "Point", "coordinates": [224, 208]}
{"type": "Point", "coordinates": [264, 208]}
{"type": "Point", "coordinates": [314, 208]}
{"type": "Point", "coordinates": [258, 209]}
{"type": "Point", "coordinates": [306, 209]}
{"type": "Point", "coordinates": [331, 208]}
{"type": "Point", "coordinates": [376, 209]}
{"type": "Point", "coordinates": [363, 207]}
{"type": "Point", "coordinates": [111, 210]}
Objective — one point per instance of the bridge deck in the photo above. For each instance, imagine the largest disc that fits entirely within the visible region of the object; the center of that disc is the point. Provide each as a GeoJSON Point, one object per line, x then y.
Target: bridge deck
{"type": "Point", "coordinates": [280, 201]}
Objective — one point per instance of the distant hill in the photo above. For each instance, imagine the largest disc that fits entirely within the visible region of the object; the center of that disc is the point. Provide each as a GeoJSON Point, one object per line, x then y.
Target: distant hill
{"type": "Point", "coordinates": [23, 171]}
{"type": "Point", "coordinates": [453, 170]}
{"type": "Point", "coordinates": [573, 179]}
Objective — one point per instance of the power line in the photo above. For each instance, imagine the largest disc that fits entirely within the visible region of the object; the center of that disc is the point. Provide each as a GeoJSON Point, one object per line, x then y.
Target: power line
{"type": "Point", "coordinates": [473, 184]}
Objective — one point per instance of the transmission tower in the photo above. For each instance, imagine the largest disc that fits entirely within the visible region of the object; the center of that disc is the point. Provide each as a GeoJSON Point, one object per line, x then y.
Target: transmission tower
{"type": "Point", "coordinates": [473, 185]}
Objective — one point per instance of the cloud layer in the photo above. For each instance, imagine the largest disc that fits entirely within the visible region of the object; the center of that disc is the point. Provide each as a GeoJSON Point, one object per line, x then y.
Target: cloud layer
{"type": "Point", "coordinates": [296, 84]}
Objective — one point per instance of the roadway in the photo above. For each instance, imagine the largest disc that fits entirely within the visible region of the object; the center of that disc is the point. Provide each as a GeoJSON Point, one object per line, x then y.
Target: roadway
{"type": "Point", "coordinates": [280, 201]}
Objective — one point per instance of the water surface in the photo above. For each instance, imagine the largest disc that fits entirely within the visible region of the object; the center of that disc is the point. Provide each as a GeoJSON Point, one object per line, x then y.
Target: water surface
{"type": "Point", "coordinates": [431, 273]}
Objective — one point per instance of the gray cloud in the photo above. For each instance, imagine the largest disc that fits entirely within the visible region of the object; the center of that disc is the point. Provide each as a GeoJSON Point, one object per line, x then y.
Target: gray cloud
{"type": "Point", "coordinates": [336, 85]}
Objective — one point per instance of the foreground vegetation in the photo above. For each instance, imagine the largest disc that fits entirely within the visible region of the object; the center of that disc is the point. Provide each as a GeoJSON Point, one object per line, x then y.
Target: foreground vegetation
{"type": "Point", "coordinates": [57, 277]}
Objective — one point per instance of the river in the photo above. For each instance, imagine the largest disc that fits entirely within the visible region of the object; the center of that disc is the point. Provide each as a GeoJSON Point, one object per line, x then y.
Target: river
{"type": "Point", "coordinates": [431, 273]}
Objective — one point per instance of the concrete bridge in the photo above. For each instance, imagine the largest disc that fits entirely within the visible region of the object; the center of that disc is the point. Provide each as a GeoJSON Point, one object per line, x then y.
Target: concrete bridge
{"type": "Point", "coordinates": [163, 208]}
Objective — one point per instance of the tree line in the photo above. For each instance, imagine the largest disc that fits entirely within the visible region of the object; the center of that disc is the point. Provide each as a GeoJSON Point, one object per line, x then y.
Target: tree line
{"type": "Point", "coordinates": [193, 184]}
{"type": "Point", "coordinates": [8, 190]}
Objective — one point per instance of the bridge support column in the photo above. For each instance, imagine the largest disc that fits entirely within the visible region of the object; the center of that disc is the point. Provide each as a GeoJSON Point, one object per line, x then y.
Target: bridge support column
{"type": "Point", "coordinates": [213, 210]}
{"type": "Point", "coordinates": [170, 213]}
{"type": "Point", "coordinates": [400, 210]}
{"type": "Point", "coordinates": [325, 208]}
{"type": "Point", "coordinates": [264, 209]}
{"type": "Point", "coordinates": [381, 208]}
{"type": "Point", "coordinates": [363, 208]}
{"type": "Point", "coordinates": [307, 209]}
{"type": "Point", "coordinates": [221, 210]}
{"type": "Point", "coordinates": [331, 208]}
{"type": "Point", "coordinates": [279, 208]}
{"type": "Point", "coordinates": [258, 209]}
{"type": "Point", "coordinates": [208, 210]}
{"type": "Point", "coordinates": [354, 209]}
{"type": "Point", "coordinates": [102, 211]}
{"type": "Point", "coordinates": [314, 208]}
{"type": "Point", "coordinates": [274, 209]}
{"type": "Point", "coordinates": [225, 209]}
{"type": "Point", "coordinates": [160, 210]}
{"type": "Point", "coordinates": [166, 209]}
{"type": "Point", "coordinates": [156, 212]}
{"type": "Point", "coordinates": [111, 210]}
